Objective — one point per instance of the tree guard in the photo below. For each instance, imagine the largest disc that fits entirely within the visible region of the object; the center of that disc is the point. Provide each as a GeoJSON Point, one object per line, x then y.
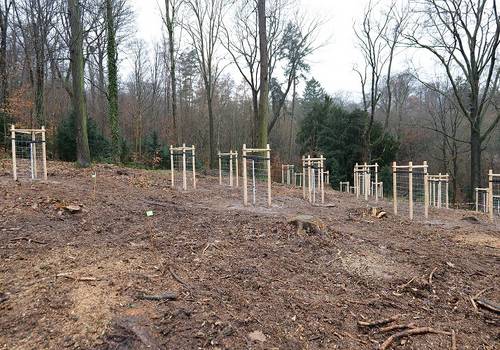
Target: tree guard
{"type": "Point", "coordinates": [29, 153]}
{"type": "Point", "coordinates": [438, 190]}
{"type": "Point", "coordinates": [493, 194]}
{"type": "Point", "coordinates": [344, 186]}
{"type": "Point", "coordinates": [410, 184]}
{"type": "Point", "coordinates": [228, 167]}
{"type": "Point", "coordinates": [182, 159]}
{"type": "Point", "coordinates": [366, 182]}
{"type": "Point", "coordinates": [313, 178]}
{"type": "Point", "coordinates": [482, 199]}
{"type": "Point", "coordinates": [287, 173]}
{"type": "Point", "coordinates": [257, 168]}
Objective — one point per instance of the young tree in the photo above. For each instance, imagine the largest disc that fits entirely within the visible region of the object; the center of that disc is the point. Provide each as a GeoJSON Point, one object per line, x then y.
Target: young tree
{"type": "Point", "coordinates": [464, 36]}
{"type": "Point", "coordinates": [113, 83]}
{"type": "Point", "coordinates": [78, 93]}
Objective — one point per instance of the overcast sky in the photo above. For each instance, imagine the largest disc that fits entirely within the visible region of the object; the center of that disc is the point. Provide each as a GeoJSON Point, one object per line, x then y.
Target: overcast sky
{"type": "Point", "coordinates": [332, 64]}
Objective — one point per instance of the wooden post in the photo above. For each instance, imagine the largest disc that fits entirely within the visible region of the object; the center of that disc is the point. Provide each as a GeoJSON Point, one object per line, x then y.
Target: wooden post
{"type": "Point", "coordinates": [244, 159]}
{"type": "Point", "coordinates": [268, 156]}
{"type": "Point", "coordinates": [303, 177]}
{"type": "Point", "coordinates": [376, 182]}
{"type": "Point", "coordinates": [367, 181]}
{"type": "Point", "coordinates": [356, 180]}
{"type": "Point", "coordinates": [184, 177]}
{"type": "Point", "coordinates": [194, 167]}
{"type": "Point", "coordinates": [447, 195]}
{"type": "Point", "coordinates": [309, 180]}
{"type": "Point", "coordinates": [237, 172]}
{"type": "Point", "coordinates": [230, 168]}
{"type": "Point", "coordinates": [34, 170]}
{"type": "Point", "coordinates": [410, 188]}
{"type": "Point", "coordinates": [220, 168]}
{"type": "Point", "coordinates": [426, 191]}
{"type": "Point", "coordinates": [44, 154]}
{"type": "Point", "coordinates": [395, 188]}
{"type": "Point", "coordinates": [14, 161]}
{"type": "Point", "coordinates": [172, 167]}
{"type": "Point", "coordinates": [477, 200]}
{"type": "Point", "coordinates": [322, 179]}
{"type": "Point", "coordinates": [439, 192]}
{"type": "Point", "coordinates": [490, 193]}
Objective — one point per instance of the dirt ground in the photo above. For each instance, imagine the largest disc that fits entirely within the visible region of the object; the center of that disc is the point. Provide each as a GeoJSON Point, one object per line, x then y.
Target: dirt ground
{"type": "Point", "coordinates": [244, 278]}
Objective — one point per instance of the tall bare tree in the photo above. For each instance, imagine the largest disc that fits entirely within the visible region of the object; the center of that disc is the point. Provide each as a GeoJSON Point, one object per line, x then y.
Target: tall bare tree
{"type": "Point", "coordinates": [262, 124]}
{"type": "Point", "coordinates": [378, 36]}
{"type": "Point", "coordinates": [170, 19]}
{"type": "Point", "coordinates": [464, 36]}
{"type": "Point", "coordinates": [77, 73]}
{"type": "Point", "coordinates": [205, 33]}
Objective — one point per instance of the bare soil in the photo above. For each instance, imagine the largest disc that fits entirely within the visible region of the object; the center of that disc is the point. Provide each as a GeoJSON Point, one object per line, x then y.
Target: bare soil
{"type": "Point", "coordinates": [245, 278]}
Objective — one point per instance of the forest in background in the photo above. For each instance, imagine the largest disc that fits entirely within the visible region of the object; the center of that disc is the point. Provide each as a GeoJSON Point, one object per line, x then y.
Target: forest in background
{"type": "Point", "coordinates": [60, 62]}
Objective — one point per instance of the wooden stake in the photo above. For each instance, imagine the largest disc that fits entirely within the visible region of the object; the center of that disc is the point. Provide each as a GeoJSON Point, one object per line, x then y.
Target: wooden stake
{"type": "Point", "coordinates": [14, 163]}
{"type": "Point", "coordinates": [395, 188]}
{"type": "Point", "coordinates": [245, 190]}
{"type": "Point", "coordinates": [309, 182]}
{"type": "Point", "coordinates": [410, 188]}
{"type": "Point", "coordinates": [376, 182]}
{"type": "Point", "coordinates": [172, 168]}
{"type": "Point", "coordinates": [268, 156]}
{"type": "Point", "coordinates": [230, 168]}
{"type": "Point", "coordinates": [184, 175]}
{"type": "Point", "coordinates": [44, 154]}
{"type": "Point", "coordinates": [194, 167]}
{"type": "Point", "coordinates": [426, 191]}
{"type": "Point", "coordinates": [322, 180]}
{"type": "Point", "coordinates": [237, 172]}
{"type": "Point", "coordinates": [34, 170]}
{"type": "Point", "coordinates": [220, 169]}
{"type": "Point", "coordinates": [490, 193]}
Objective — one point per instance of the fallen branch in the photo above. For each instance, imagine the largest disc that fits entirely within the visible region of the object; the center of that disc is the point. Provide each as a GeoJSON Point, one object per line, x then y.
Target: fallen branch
{"type": "Point", "coordinates": [80, 279]}
{"type": "Point", "coordinates": [379, 322]}
{"type": "Point", "coordinates": [415, 331]}
{"type": "Point", "coordinates": [453, 340]}
{"type": "Point", "coordinates": [159, 297]}
{"type": "Point", "coordinates": [396, 327]}
{"type": "Point", "coordinates": [27, 239]}
{"type": "Point", "coordinates": [432, 274]}
{"type": "Point", "coordinates": [488, 305]}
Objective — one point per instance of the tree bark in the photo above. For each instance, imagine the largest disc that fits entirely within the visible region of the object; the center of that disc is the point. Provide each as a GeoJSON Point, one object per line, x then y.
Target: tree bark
{"type": "Point", "coordinates": [112, 84]}
{"type": "Point", "coordinates": [77, 72]}
{"type": "Point", "coordinates": [475, 159]}
{"type": "Point", "coordinates": [262, 134]}
{"type": "Point", "coordinates": [169, 19]}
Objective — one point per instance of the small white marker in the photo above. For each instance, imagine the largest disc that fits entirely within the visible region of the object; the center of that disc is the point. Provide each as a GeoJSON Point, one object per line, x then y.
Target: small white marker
{"type": "Point", "coordinates": [94, 175]}
{"type": "Point", "coordinates": [149, 213]}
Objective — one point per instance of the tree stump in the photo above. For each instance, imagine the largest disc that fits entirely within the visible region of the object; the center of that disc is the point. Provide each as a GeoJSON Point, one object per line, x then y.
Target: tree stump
{"type": "Point", "coordinates": [307, 224]}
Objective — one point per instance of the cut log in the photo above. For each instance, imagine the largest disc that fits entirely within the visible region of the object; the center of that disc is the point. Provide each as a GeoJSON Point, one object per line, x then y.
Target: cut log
{"type": "Point", "coordinates": [159, 297]}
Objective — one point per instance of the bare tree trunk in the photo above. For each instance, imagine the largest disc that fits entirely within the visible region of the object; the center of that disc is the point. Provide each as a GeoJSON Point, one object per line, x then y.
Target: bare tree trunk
{"type": "Point", "coordinates": [169, 20]}
{"type": "Point", "coordinates": [77, 70]}
{"type": "Point", "coordinates": [292, 117]}
{"type": "Point", "coordinates": [475, 159]}
{"type": "Point", "coordinates": [112, 84]}
{"type": "Point", "coordinates": [262, 133]}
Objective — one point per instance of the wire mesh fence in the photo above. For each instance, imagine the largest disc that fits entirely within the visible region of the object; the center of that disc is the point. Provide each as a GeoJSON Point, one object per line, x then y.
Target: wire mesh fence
{"type": "Point", "coordinates": [366, 181]}
{"type": "Point", "coordinates": [256, 171]}
{"type": "Point", "coordinates": [182, 167]}
{"type": "Point", "coordinates": [410, 188]}
{"type": "Point", "coordinates": [314, 186]}
{"type": "Point", "coordinates": [494, 194]}
{"type": "Point", "coordinates": [438, 191]}
{"type": "Point", "coordinates": [28, 154]}
{"type": "Point", "coordinates": [228, 169]}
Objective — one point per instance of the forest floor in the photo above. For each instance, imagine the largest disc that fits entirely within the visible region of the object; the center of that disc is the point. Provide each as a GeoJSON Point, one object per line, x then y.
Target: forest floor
{"type": "Point", "coordinates": [244, 278]}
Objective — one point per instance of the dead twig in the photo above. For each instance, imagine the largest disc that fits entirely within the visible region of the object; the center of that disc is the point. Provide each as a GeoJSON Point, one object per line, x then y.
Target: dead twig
{"type": "Point", "coordinates": [488, 305]}
{"type": "Point", "coordinates": [432, 274]}
{"type": "Point", "coordinates": [27, 239]}
{"type": "Point", "coordinates": [414, 331]}
{"type": "Point", "coordinates": [178, 279]}
{"type": "Point", "coordinates": [377, 323]}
